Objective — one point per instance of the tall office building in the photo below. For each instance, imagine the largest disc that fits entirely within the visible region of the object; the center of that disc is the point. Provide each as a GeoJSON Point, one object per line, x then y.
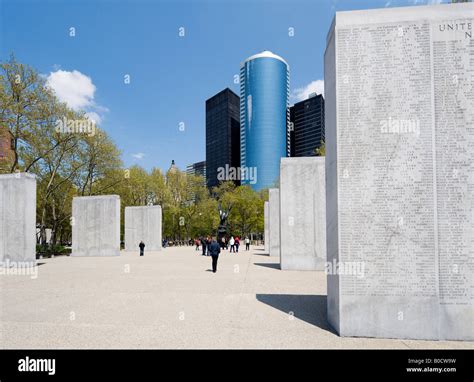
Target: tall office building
{"type": "Point", "coordinates": [198, 168]}
{"type": "Point", "coordinates": [222, 137]}
{"type": "Point", "coordinates": [264, 117]}
{"type": "Point", "coordinates": [307, 126]}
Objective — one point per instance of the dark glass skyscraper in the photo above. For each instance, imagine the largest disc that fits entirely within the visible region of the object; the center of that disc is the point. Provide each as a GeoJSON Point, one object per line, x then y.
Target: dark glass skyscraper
{"type": "Point", "coordinates": [307, 126]}
{"type": "Point", "coordinates": [198, 168]}
{"type": "Point", "coordinates": [264, 116]}
{"type": "Point", "coordinates": [222, 135]}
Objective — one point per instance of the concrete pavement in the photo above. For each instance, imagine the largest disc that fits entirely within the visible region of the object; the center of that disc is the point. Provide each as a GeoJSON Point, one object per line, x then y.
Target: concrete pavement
{"type": "Point", "coordinates": [170, 299]}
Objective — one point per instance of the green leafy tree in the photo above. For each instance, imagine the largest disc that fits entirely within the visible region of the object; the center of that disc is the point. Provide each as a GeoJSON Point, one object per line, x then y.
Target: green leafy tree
{"type": "Point", "coordinates": [27, 108]}
{"type": "Point", "coordinates": [65, 164]}
{"type": "Point", "coordinates": [321, 150]}
{"type": "Point", "coordinates": [246, 211]}
{"type": "Point", "coordinates": [100, 156]}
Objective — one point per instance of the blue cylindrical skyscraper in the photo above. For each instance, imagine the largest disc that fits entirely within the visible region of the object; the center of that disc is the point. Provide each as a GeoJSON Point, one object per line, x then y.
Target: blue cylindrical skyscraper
{"type": "Point", "coordinates": [264, 117]}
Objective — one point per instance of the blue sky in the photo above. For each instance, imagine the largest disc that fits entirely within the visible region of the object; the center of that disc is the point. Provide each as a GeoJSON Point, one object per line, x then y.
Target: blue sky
{"type": "Point", "coordinates": [170, 76]}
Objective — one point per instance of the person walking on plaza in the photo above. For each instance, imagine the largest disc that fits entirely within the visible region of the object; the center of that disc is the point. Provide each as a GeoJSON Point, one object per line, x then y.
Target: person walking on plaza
{"type": "Point", "coordinates": [237, 244]}
{"type": "Point", "coordinates": [223, 244]}
{"type": "Point", "coordinates": [142, 248]}
{"type": "Point", "coordinates": [204, 245]}
{"type": "Point", "coordinates": [214, 250]}
{"type": "Point", "coordinates": [247, 243]}
{"type": "Point", "coordinates": [232, 244]}
{"type": "Point", "coordinates": [207, 240]}
{"type": "Point", "coordinates": [197, 243]}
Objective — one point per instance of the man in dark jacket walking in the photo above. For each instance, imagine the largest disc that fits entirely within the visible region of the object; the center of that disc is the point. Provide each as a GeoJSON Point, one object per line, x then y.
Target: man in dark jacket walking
{"type": "Point", "coordinates": [204, 245]}
{"type": "Point", "coordinates": [142, 248]}
{"type": "Point", "coordinates": [214, 250]}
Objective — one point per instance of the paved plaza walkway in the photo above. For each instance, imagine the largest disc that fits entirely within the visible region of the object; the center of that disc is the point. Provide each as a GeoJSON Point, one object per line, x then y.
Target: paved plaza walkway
{"type": "Point", "coordinates": [170, 299]}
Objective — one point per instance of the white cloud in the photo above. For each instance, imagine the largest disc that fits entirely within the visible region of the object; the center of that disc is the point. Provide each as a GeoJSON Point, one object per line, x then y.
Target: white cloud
{"type": "Point", "coordinates": [138, 155]}
{"type": "Point", "coordinates": [74, 88]}
{"type": "Point", "coordinates": [94, 117]}
{"type": "Point", "coordinates": [303, 93]}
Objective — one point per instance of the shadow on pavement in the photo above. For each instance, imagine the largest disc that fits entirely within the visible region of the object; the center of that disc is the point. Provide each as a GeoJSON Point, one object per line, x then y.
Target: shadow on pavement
{"type": "Point", "coordinates": [309, 308]}
{"type": "Point", "coordinates": [269, 265]}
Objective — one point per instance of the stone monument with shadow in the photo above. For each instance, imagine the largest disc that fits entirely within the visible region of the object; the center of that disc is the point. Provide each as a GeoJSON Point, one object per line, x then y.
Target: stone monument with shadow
{"type": "Point", "coordinates": [400, 172]}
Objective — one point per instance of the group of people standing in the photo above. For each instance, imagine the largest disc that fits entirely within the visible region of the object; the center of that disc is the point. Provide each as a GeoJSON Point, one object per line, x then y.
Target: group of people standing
{"type": "Point", "coordinates": [213, 248]}
{"type": "Point", "coordinates": [232, 244]}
